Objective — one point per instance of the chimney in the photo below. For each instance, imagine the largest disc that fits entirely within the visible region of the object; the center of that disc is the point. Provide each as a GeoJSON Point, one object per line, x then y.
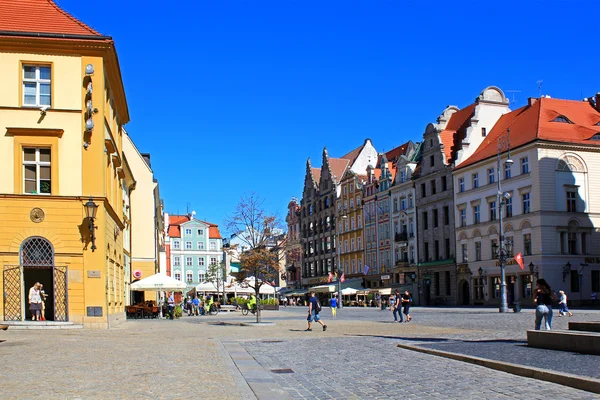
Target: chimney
{"type": "Point", "coordinates": [531, 101]}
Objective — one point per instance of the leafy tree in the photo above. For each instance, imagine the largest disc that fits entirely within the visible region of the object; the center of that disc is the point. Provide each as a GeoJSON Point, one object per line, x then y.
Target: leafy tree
{"type": "Point", "coordinates": [215, 274]}
{"type": "Point", "coordinates": [259, 232]}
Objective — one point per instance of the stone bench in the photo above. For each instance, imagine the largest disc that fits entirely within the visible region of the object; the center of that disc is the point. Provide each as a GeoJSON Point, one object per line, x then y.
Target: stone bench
{"type": "Point", "coordinates": [574, 341]}
{"type": "Point", "coordinates": [227, 308]}
{"type": "Point", "coordinates": [585, 326]}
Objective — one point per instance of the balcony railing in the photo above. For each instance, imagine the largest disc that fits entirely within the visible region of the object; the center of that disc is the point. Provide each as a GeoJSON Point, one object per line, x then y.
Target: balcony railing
{"type": "Point", "coordinates": [401, 237]}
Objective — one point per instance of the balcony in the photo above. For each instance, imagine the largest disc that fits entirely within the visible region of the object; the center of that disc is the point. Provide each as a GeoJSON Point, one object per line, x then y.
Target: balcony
{"type": "Point", "coordinates": [400, 237]}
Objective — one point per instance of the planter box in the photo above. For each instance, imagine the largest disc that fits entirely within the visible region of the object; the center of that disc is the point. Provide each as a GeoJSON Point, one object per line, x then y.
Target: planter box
{"type": "Point", "coordinates": [269, 307]}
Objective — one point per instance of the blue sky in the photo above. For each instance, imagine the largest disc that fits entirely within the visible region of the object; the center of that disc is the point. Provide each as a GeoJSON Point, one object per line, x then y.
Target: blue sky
{"type": "Point", "coordinates": [232, 96]}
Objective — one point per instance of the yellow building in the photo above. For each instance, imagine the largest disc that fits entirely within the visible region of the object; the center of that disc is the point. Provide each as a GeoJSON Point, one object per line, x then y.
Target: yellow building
{"type": "Point", "coordinates": [350, 225]}
{"type": "Point", "coordinates": [62, 111]}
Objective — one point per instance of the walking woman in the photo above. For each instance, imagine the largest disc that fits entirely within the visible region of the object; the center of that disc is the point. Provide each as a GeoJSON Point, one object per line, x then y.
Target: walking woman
{"type": "Point", "coordinates": [35, 302]}
{"type": "Point", "coordinates": [543, 299]}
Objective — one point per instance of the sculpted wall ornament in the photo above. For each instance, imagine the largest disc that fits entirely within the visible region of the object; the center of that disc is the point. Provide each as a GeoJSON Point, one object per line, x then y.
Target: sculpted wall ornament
{"type": "Point", "coordinates": [37, 215]}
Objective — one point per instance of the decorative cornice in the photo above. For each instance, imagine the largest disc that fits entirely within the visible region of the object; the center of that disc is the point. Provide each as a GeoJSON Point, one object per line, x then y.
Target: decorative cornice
{"type": "Point", "coordinates": [46, 132]}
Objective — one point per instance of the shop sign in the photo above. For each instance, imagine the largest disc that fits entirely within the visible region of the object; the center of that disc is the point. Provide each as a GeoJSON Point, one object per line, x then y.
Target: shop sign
{"type": "Point", "coordinates": [510, 261]}
{"type": "Point", "coordinates": [592, 260]}
{"type": "Point", "coordinates": [384, 277]}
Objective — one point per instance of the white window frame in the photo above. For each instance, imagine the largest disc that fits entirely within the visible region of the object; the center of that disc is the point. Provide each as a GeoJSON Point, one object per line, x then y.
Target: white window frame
{"type": "Point", "coordinates": [188, 245]}
{"type": "Point", "coordinates": [526, 200]}
{"type": "Point", "coordinates": [200, 245]}
{"type": "Point", "coordinates": [491, 173]}
{"type": "Point", "coordinates": [176, 245]}
{"type": "Point", "coordinates": [188, 232]}
{"type": "Point", "coordinates": [213, 260]}
{"type": "Point", "coordinates": [201, 232]}
{"type": "Point", "coordinates": [177, 275]}
{"type": "Point", "coordinates": [201, 261]}
{"type": "Point", "coordinates": [213, 246]}
{"type": "Point", "coordinates": [38, 164]}
{"type": "Point", "coordinates": [38, 82]}
{"type": "Point", "coordinates": [524, 165]}
{"type": "Point", "coordinates": [201, 276]}
{"type": "Point", "coordinates": [189, 261]}
{"type": "Point", "coordinates": [475, 180]}
{"type": "Point", "coordinates": [189, 276]}
{"type": "Point", "coordinates": [461, 184]}
{"type": "Point", "coordinates": [176, 261]}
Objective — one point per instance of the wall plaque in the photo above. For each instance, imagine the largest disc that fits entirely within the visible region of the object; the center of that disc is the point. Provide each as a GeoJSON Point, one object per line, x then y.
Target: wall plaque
{"type": "Point", "coordinates": [93, 274]}
{"type": "Point", "coordinates": [37, 215]}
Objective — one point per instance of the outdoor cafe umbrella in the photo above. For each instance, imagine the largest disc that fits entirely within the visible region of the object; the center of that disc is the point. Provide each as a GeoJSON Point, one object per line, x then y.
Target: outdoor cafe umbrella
{"type": "Point", "coordinates": [159, 282]}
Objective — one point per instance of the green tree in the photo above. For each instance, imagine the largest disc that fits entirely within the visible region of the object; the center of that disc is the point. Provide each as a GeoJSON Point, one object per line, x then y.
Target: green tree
{"type": "Point", "coordinates": [259, 232]}
{"type": "Point", "coordinates": [215, 274]}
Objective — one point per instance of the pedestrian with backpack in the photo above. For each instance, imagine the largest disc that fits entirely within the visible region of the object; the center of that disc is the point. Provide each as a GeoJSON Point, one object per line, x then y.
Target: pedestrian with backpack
{"type": "Point", "coordinates": [314, 308]}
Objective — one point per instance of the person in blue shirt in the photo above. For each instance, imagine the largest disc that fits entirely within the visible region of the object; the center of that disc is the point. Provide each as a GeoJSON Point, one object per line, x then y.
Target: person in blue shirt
{"type": "Point", "coordinates": [333, 304]}
{"type": "Point", "coordinates": [314, 308]}
{"type": "Point", "coordinates": [195, 304]}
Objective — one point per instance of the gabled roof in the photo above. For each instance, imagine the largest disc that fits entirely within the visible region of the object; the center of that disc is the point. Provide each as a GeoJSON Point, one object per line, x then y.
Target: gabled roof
{"type": "Point", "coordinates": [393, 154]}
{"type": "Point", "coordinates": [40, 16]}
{"type": "Point", "coordinates": [316, 173]}
{"type": "Point", "coordinates": [338, 167]}
{"type": "Point", "coordinates": [175, 222]}
{"type": "Point", "coordinates": [455, 131]}
{"type": "Point", "coordinates": [351, 156]}
{"type": "Point", "coordinates": [536, 122]}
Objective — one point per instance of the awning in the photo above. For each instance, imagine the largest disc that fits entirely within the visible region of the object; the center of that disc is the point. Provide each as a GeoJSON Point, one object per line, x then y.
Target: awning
{"type": "Point", "coordinates": [297, 292]}
{"type": "Point", "coordinates": [385, 291]}
{"type": "Point", "coordinates": [324, 288]}
{"type": "Point", "coordinates": [159, 282]}
{"type": "Point", "coordinates": [348, 291]}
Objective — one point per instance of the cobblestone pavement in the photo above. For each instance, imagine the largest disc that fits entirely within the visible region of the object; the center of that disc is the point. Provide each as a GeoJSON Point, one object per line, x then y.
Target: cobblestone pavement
{"type": "Point", "coordinates": [371, 368]}
{"type": "Point", "coordinates": [190, 358]}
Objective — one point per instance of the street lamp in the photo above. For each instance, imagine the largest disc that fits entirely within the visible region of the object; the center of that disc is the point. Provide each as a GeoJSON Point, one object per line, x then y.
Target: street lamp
{"type": "Point", "coordinates": [503, 143]}
{"type": "Point", "coordinates": [534, 270]}
{"type": "Point", "coordinates": [90, 213]}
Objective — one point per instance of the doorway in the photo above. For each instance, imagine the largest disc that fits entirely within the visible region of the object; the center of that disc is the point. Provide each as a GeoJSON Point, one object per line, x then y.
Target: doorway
{"type": "Point", "coordinates": [44, 276]}
{"type": "Point", "coordinates": [464, 293]}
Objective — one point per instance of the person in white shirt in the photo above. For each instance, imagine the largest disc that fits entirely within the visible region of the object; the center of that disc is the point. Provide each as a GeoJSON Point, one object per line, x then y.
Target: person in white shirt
{"type": "Point", "coordinates": [562, 305]}
{"type": "Point", "coordinates": [35, 302]}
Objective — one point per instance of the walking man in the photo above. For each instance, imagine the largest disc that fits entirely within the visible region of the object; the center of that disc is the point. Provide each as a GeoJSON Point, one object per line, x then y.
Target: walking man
{"type": "Point", "coordinates": [314, 308]}
{"type": "Point", "coordinates": [398, 307]}
{"type": "Point", "coordinates": [171, 306]}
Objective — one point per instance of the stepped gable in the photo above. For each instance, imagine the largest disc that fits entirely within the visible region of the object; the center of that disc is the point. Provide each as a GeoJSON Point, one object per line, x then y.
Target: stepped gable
{"type": "Point", "coordinates": [538, 121]}
{"type": "Point", "coordinates": [40, 16]}
{"type": "Point", "coordinates": [455, 131]}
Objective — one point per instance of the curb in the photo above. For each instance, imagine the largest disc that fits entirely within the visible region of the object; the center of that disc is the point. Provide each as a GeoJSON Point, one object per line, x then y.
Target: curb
{"type": "Point", "coordinates": [245, 390]}
{"type": "Point", "coordinates": [574, 381]}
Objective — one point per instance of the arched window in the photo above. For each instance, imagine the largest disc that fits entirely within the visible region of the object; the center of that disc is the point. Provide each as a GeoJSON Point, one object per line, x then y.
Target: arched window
{"type": "Point", "coordinates": [37, 252]}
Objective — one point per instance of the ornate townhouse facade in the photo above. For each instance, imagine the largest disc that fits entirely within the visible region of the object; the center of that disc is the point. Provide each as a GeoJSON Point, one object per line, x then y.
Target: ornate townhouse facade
{"type": "Point", "coordinates": [350, 224]}
{"type": "Point", "coordinates": [549, 214]}
{"type": "Point", "coordinates": [404, 219]}
{"type": "Point", "coordinates": [294, 256]}
{"type": "Point", "coordinates": [457, 134]}
{"type": "Point", "coordinates": [318, 211]}
{"type": "Point", "coordinates": [194, 245]}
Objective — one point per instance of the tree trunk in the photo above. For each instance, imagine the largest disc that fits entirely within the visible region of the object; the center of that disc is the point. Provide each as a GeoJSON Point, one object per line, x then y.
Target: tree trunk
{"type": "Point", "coordinates": [258, 316]}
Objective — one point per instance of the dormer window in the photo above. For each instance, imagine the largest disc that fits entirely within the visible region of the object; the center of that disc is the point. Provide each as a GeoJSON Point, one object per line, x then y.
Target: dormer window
{"type": "Point", "coordinates": [562, 118]}
{"type": "Point", "coordinates": [596, 137]}
{"type": "Point", "coordinates": [598, 123]}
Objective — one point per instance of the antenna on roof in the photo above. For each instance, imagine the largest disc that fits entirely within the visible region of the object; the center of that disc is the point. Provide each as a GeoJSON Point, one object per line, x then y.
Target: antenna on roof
{"type": "Point", "coordinates": [513, 95]}
{"type": "Point", "coordinates": [539, 85]}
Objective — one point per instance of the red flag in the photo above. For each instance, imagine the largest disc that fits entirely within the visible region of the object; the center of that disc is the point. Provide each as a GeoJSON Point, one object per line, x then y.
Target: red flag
{"type": "Point", "coordinates": [343, 278]}
{"type": "Point", "coordinates": [329, 277]}
{"type": "Point", "coordinates": [519, 260]}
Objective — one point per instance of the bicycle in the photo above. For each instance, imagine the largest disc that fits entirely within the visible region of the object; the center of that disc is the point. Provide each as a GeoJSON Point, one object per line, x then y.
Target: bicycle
{"type": "Point", "coordinates": [245, 310]}
{"type": "Point", "coordinates": [212, 311]}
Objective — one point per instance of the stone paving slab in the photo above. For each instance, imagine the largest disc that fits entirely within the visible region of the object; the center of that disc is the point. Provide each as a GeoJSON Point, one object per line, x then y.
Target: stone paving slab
{"type": "Point", "coordinates": [517, 352]}
{"type": "Point", "coordinates": [326, 369]}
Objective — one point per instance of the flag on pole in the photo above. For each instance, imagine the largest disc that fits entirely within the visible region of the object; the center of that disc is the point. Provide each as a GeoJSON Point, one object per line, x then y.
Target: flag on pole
{"type": "Point", "coordinates": [343, 277]}
{"type": "Point", "coordinates": [366, 269]}
{"type": "Point", "coordinates": [519, 260]}
{"type": "Point", "coordinates": [329, 278]}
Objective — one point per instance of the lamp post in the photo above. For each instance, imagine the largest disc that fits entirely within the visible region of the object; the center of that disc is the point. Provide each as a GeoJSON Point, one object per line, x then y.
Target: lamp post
{"type": "Point", "coordinates": [534, 270]}
{"type": "Point", "coordinates": [503, 144]}
{"type": "Point", "coordinates": [90, 212]}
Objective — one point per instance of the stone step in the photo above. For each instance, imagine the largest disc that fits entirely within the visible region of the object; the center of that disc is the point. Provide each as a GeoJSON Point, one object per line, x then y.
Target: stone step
{"type": "Point", "coordinates": [21, 325]}
{"type": "Point", "coordinates": [573, 341]}
{"type": "Point", "coordinates": [591, 326]}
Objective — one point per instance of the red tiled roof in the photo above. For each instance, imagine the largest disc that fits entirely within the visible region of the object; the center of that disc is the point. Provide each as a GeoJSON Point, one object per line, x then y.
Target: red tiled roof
{"type": "Point", "coordinates": [33, 16]}
{"type": "Point", "coordinates": [213, 232]}
{"type": "Point", "coordinates": [178, 219]}
{"type": "Point", "coordinates": [534, 121]}
{"type": "Point", "coordinates": [316, 173]}
{"type": "Point", "coordinates": [338, 167]}
{"type": "Point", "coordinates": [397, 152]}
{"type": "Point", "coordinates": [353, 154]}
{"type": "Point", "coordinates": [455, 131]}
